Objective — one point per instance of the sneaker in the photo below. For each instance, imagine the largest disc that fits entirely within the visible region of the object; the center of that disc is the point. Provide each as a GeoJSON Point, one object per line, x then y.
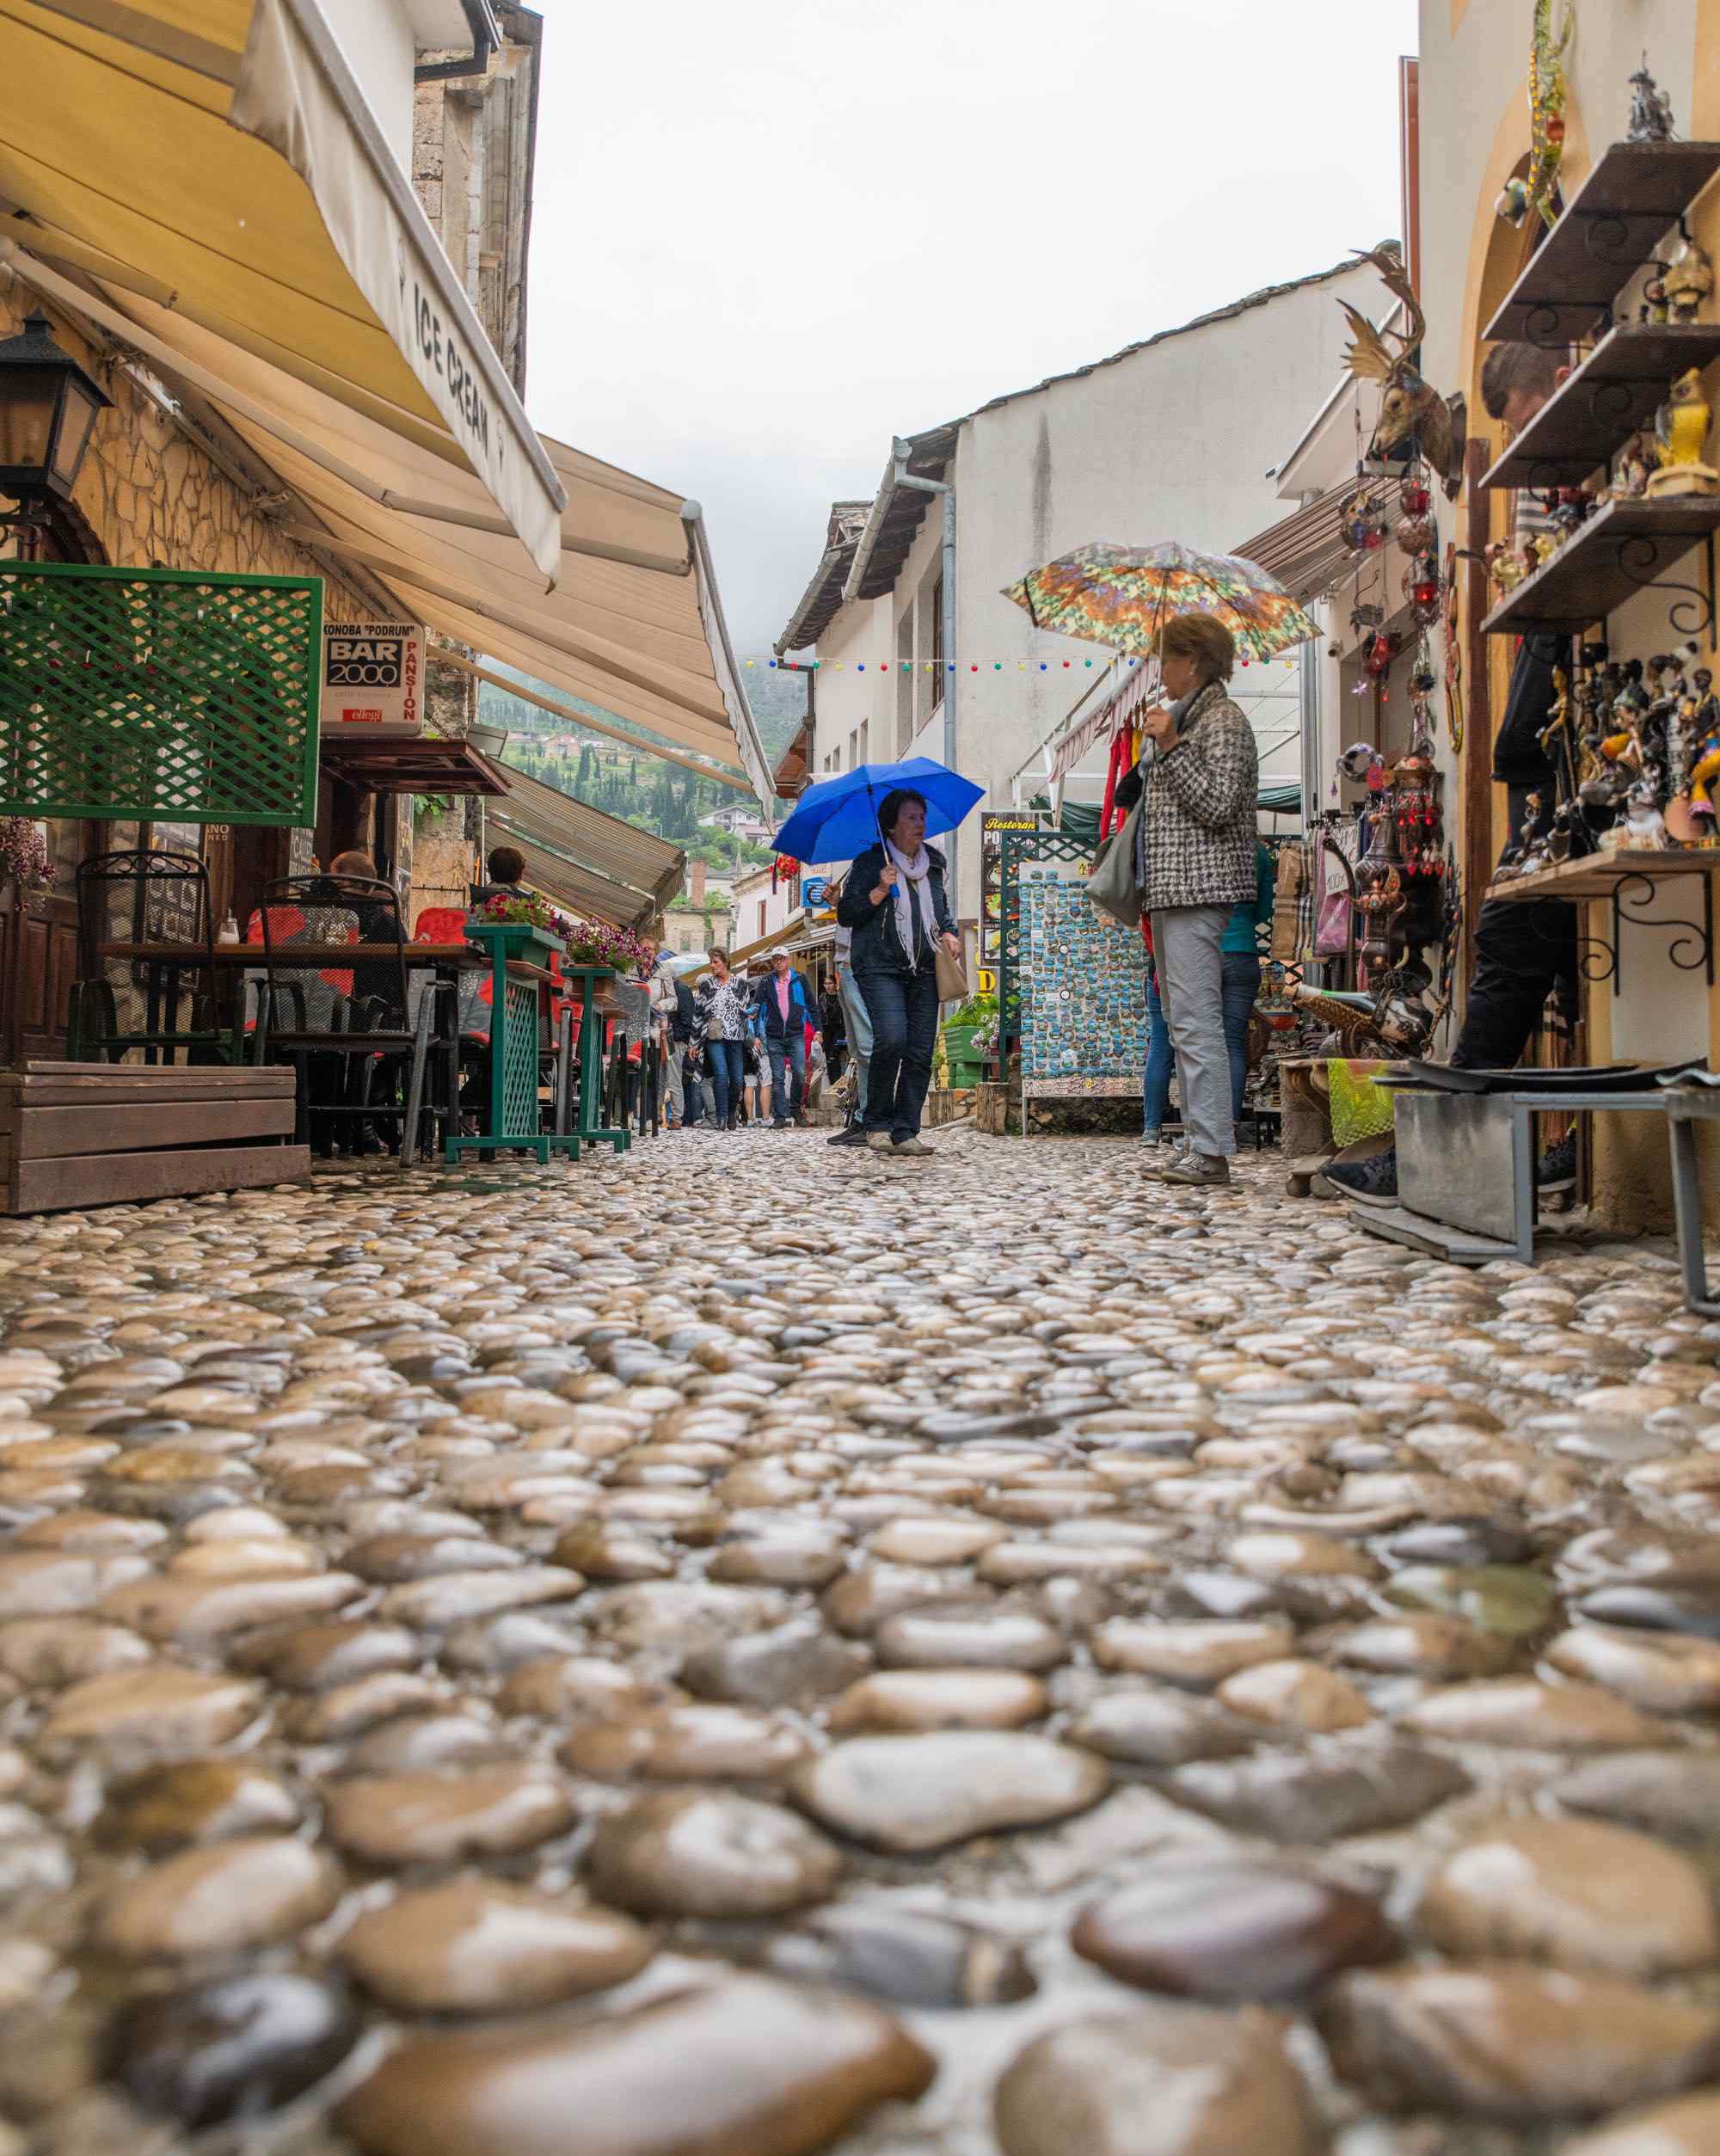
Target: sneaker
{"type": "Point", "coordinates": [1556, 1170]}
{"type": "Point", "coordinates": [1156, 1170]}
{"type": "Point", "coordinates": [879, 1140]}
{"type": "Point", "coordinates": [1155, 1137]}
{"type": "Point", "coordinates": [1374, 1181]}
{"type": "Point", "coordinates": [1203, 1171]}
{"type": "Point", "coordinates": [910, 1149]}
{"type": "Point", "coordinates": [852, 1136]}
{"type": "Point", "coordinates": [774, 1125]}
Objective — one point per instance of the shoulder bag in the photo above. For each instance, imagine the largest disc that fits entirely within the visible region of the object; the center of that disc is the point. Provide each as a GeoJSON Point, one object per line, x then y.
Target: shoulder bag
{"type": "Point", "coordinates": [1112, 887]}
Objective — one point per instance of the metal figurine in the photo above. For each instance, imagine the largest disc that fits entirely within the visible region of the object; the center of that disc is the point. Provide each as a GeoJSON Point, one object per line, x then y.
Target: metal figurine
{"type": "Point", "coordinates": [1688, 279]}
{"type": "Point", "coordinates": [1630, 477]}
{"type": "Point", "coordinates": [1650, 109]}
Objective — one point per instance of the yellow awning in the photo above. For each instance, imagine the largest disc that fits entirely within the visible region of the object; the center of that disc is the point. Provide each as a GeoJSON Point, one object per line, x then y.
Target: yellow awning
{"type": "Point", "coordinates": [216, 159]}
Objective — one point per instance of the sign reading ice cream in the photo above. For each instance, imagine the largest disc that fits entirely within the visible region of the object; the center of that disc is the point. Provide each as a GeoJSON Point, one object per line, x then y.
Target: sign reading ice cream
{"type": "Point", "coordinates": [372, 678]}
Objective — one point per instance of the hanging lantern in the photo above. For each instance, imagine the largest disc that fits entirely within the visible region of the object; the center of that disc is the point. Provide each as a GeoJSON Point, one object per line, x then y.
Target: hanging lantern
{"type": "Point", "coordinates": [1415, 535]}
{"type": "Point", "coordinates": [1415, 499]}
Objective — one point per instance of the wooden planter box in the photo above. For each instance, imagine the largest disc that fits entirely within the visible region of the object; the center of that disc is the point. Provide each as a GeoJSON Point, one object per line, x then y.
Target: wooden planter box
{"type": "Point", "coordinates": [76, 1134]}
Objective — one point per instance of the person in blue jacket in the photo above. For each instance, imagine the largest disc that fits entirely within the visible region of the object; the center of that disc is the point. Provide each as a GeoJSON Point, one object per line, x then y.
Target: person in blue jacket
{"type": "Point", "coordinates": [780, 1014]}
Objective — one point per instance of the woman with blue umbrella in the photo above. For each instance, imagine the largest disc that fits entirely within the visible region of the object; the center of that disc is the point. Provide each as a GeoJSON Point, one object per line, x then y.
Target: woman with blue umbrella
{"type": "Point", "coordinates": [895, 903]}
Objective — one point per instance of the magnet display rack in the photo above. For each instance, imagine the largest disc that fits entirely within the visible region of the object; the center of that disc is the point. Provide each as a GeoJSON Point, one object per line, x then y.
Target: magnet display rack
{"type": "Point", "coordinates": [1615, 226]}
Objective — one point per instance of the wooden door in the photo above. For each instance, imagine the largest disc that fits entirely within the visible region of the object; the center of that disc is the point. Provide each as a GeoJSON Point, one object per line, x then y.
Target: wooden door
{"type": "Point", "coordinates": [39, 950]}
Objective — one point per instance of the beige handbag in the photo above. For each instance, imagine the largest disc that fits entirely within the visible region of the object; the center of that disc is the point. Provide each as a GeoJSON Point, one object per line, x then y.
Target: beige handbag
{"type": "Point", "coordinates": [952, 980]}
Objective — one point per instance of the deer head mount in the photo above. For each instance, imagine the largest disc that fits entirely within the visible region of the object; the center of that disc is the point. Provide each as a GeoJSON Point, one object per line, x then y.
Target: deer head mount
{"type": "Point", "coordinates": [1411, 412]}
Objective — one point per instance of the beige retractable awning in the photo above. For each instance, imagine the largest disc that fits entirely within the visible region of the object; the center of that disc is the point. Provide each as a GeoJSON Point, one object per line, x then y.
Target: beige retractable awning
{"type": "Point", "coordinates": [217, 156]}
{"type": "Point", "coordinates": [633, 624]}
{"type": "Point", "coordinates": [560, 836]}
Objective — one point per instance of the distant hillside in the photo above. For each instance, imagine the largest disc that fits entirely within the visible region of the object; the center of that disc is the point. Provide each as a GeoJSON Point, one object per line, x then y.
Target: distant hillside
{"type": "Point", "coordinates": [779, 701]}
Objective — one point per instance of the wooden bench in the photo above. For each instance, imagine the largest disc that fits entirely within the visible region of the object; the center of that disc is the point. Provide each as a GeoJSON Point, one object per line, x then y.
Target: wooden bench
{"type": "Point", "coordinates": [76, 1135]}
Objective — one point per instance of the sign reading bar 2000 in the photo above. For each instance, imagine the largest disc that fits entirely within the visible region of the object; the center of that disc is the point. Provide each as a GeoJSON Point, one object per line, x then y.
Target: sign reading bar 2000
{"type": "Point", "coordinates": [372, 676]}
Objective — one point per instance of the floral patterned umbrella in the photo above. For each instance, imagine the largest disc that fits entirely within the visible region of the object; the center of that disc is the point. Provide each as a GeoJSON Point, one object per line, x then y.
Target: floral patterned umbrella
{"type": "Point", "coordinates": [1121, 595]}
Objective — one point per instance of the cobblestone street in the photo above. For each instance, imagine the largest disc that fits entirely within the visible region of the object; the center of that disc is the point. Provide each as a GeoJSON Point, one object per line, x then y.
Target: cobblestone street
{"type": "Point", "coordinates": [1183, 1678]}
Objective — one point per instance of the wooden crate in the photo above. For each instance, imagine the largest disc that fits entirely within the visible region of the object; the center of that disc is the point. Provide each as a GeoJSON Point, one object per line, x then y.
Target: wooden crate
{"type": "Point", "coordinates": [76, 1134]}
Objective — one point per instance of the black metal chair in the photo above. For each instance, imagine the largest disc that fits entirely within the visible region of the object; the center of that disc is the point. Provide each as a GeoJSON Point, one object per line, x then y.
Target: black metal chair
{"type": "Point", "coordinates": [145, 894]}
{"type": "Point", "coordinates": [344, 1027]}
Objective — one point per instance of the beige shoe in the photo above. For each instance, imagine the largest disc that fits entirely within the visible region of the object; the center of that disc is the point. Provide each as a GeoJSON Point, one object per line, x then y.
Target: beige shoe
{"type": "Point", "coordinates": [879, 1141]}
{"type": "Point", "coordinates": [1166, 1159]}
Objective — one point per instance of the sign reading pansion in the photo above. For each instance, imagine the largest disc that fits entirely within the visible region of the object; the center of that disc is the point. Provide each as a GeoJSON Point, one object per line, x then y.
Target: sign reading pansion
{"type": "Point", "coordinates": [372, 678]}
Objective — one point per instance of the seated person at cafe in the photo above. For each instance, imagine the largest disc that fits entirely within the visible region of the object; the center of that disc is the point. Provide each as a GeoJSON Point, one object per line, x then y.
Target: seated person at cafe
{"type": "Point", "coordinates": [506, 866]}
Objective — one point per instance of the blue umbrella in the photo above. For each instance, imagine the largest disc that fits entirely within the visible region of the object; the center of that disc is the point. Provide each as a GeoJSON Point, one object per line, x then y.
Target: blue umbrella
{"type": "Point", "coordinates": [838, 819]}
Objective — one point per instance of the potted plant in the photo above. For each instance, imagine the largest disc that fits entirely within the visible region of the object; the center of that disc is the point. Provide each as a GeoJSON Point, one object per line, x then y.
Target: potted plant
{"type": "Point", "coordinates": [974, 1016]}
{"type": "Point", "coordinates": [517, 924]}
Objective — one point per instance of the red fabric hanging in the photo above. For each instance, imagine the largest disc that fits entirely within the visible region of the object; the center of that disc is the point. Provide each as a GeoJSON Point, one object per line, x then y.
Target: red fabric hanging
{"type": "Point", "coordinates": [1115, 772]}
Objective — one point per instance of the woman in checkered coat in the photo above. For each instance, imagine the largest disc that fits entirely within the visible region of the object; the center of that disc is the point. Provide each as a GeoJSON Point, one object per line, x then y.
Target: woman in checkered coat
{"type": "Point", "coordinates": [1195, 861]}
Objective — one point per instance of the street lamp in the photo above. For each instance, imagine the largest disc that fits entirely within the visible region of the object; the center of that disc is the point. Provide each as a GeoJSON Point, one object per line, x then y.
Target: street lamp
{"type": "Point", "coordinates": [48, 406]}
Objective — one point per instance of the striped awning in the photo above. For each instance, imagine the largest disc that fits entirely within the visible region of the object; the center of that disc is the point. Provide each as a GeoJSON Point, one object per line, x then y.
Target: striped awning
{"type": "Point", "coordinates": [1306, 551]}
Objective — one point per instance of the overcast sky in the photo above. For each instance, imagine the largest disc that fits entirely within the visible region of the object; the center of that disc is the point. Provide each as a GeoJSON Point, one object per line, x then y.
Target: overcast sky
{"type": "Point", "coordinates": [769, 235]}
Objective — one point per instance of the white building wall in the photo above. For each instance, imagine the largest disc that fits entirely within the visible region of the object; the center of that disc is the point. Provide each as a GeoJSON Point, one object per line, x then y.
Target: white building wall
{"type": "Point", "coordinates": [1176, 441]}
{"type": "Point", "coordinates": [378, 39]}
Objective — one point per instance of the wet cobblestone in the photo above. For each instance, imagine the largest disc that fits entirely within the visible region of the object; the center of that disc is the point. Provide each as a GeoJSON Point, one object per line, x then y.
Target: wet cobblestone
{"type": "Point", "coordinates": [747, 1648]}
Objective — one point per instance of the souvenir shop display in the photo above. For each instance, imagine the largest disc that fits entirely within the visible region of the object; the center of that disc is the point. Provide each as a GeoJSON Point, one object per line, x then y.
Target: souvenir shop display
{"type": "Point", "coordinates": [1633, 736]}
{"type": "Point", "coordinates": [1082, 1008]}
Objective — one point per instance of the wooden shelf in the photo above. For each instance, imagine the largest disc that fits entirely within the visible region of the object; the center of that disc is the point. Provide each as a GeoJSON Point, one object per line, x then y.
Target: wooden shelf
{"type": "Point", "coordinates": [1588, 576]}
{"type": "Point", "coordinates": [1611, 226]}
{"type": "Point", "coordinates": [1597, 875]}
{"type": "Point", "coordinates": [1615, 392]}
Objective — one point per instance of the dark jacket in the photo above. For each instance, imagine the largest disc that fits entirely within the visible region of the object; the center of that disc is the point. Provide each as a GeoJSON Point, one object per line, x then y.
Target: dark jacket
{"type": "Point", "coordinates": [767, 1017]}
{"type": "Point", "coordinates": [877, 945]}
{"type": "Point", "coordinates": [1520, 763]}
{"type": "Point", "coordinates": [681, 1025]}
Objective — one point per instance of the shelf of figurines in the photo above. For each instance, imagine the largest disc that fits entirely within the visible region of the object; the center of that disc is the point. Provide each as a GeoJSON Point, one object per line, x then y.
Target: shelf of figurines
{"type": "Point", "coordinates": [1612, 394]}
{"type": "Point", "coordinates": [1620, 551]}
{"type": "Point", "coordinates": [1611, 228]}
{"type": "Point", "coordinates": [1598, 876]}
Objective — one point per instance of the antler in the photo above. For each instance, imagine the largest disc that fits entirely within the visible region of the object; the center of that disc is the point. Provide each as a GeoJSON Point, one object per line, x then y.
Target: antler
{"type": "Point", "coordinates": [1369, 357]}
{"type": "Point", "coordinates": [1396, 279]}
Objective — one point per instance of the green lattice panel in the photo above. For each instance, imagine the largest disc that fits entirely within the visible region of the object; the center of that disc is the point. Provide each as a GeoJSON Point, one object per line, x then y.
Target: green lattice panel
{"type": "Point", "coordinates": [520, 1063]}
{"type": "Point", "coordinates": [161, 694]}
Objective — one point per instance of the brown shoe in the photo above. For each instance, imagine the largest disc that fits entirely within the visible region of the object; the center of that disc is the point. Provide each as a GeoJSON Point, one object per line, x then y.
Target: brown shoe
{"type": "Point", "coordinates": [1201, 1171]}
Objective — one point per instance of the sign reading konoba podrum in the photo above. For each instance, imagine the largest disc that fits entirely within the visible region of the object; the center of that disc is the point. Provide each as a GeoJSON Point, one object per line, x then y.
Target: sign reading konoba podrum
{"type": "Point", "coordinates": [372, 678]}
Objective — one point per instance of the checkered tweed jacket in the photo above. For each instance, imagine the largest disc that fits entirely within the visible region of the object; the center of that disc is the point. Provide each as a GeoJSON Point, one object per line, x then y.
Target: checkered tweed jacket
{"type": "Point", "coordinates": [1198, 823]}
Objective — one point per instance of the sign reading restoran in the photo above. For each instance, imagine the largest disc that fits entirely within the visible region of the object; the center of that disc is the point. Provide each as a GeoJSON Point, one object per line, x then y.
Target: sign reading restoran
{"type": "Point", "coordinates": [372, 678]}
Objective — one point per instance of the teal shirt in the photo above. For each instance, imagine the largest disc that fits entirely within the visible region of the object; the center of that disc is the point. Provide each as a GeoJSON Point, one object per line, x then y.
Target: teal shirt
{"type": "Point", "coordinates": [1239, 930]}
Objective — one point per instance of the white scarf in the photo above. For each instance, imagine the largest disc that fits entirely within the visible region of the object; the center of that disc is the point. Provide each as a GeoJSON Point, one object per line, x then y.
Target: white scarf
{"type": "Point", "coordinates": [915, 867]}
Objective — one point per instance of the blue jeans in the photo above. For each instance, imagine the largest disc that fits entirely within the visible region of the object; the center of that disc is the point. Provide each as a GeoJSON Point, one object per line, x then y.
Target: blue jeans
{"type": "Point", "coordinates": [785, 1056]}
{"type": "Point", "coordinates": [903, 1008]}
{"type": "Point", "coordinates": [1242, 986]}
{"type": "Point", "coordinates": [727, 1068]}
